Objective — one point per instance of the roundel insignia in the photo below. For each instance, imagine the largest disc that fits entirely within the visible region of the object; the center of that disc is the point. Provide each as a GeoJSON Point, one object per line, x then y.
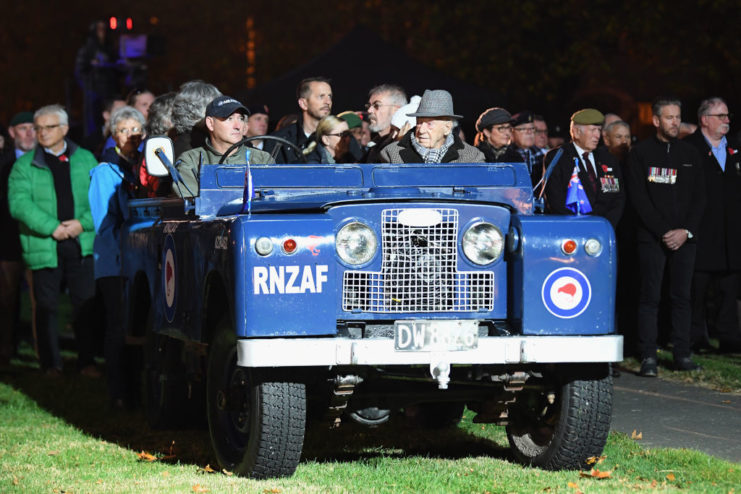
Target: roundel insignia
{"type": "Point", "coordinates": [169, 273]}
{"type": "Point", "coordinates": [566, 293]}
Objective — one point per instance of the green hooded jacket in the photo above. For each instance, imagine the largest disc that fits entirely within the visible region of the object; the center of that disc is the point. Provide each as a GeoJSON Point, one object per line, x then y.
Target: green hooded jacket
{"type": "Point", "coordinates": [33, 202]}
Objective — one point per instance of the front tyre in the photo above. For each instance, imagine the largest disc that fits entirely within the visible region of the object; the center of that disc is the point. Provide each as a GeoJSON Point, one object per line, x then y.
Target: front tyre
{"type": "Point", "coordinates": [256, 418]}
{"type": "Point", "coordinates": [564, 423]}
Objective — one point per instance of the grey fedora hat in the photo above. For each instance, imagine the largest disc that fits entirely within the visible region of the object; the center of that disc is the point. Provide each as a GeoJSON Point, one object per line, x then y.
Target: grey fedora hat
{"type": "Point", "coordinates": [435, 103]}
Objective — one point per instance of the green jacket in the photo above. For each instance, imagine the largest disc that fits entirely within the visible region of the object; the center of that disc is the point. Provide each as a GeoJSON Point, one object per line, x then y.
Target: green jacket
{"type": "Point", "coordinates": [189, 164]}
{"type": "Point", "coordinates": [33, 202]}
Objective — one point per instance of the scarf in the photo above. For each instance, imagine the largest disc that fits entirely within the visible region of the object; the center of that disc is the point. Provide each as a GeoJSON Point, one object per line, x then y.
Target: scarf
{"type": "Point", "coordinates": [432, 155]}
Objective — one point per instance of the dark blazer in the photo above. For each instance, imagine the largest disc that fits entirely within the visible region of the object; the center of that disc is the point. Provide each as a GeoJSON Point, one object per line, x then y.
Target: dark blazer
{"type": "Point", "coordinates": [295, 134]}
{"type": "Point", "coordinates": [664, 205]}
{"type": "Point", "coordinates": [719, 236]}
{"type": "Point", "coordinates": [509, 155]}
{"type": "Point", "coordinates": [606, 201]}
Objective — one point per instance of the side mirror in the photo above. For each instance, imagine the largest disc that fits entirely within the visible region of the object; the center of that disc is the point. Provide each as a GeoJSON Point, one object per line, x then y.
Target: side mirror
{"type": "Point", "coordinates": [158, 154]}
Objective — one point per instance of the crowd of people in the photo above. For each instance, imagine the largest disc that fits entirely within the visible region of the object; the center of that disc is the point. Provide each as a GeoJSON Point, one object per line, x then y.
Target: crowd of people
{"type": "Point", "coordinates": [673, 202]}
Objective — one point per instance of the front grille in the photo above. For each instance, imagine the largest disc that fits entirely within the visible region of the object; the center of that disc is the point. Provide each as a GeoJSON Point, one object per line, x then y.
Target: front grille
{"type": "Point", "coordinates": [418, 272]}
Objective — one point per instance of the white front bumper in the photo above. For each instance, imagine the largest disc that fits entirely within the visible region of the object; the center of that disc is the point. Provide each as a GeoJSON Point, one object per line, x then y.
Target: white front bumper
{"type": "Point", "coordinates": [306, 352]}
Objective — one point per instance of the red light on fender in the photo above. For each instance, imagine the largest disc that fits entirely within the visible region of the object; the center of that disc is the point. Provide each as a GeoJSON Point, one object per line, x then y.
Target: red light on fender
{"type": "Point", "coordinates": [568, 247]}
{"type": "Point", "coordinates": [289, 246]}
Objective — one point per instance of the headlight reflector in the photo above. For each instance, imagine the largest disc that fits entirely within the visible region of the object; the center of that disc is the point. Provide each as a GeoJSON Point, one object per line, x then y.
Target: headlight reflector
{"type": "Point", "coordinates": [356, 243]}
{"type": "Point", "coordinates": [483, 243]}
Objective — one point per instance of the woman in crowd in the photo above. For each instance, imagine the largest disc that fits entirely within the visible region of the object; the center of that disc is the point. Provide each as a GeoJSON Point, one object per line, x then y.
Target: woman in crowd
{"type": "Point", "coordinates": [332, 138]}
{"type": "Point", "coordinates": [112, 183]}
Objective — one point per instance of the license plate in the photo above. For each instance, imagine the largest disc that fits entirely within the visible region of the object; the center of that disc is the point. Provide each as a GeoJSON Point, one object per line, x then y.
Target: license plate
{"type": "Point", "coordinates": [433, 336]}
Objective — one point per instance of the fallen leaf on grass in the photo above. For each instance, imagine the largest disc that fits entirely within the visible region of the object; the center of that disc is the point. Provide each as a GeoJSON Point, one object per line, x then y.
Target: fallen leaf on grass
{"type": "Point", "coordinates": [207, 469]}
{"type": "Point", "coordinates": [15, 480]}
{"type": "Point", "coordinates": [671, 477]}
{"type": "Point", "coordinates": [572, 485]}
{"type": "Point", "coordinates": [53, 453]}
{"type": "Point", "coordinates": [165, 474]}
{"type": "Point", "coordinates": [227, 472]}
{"type": "Point", "coordinates": [596, 474]}
{"type": "Point", "coordinates": [144, 456]}
{"type": "Point", "coordinates": [274, 490]}
{"type": "Point", "coordinates": [99, 481]}
{"type": "Point", "coordinates": [637, 436]}
{"type": "Point", "coordinates": [654, 483]}
{"type": "Point", "coordinates": [595, 459]}
{"type": "Point", "coordinates": [199, 488]}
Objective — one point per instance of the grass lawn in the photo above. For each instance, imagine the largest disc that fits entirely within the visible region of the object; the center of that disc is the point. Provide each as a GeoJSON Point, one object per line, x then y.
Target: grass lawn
{"type": "Point", "coordinates": [57, 435]}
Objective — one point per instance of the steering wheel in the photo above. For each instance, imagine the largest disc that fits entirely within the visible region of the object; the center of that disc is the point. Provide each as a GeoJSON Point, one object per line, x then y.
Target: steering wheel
{"type": "Point", "coordinates": [279, 142]}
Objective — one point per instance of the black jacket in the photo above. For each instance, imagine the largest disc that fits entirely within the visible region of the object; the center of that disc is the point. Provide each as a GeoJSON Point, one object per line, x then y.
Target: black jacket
{"type": "Point", "coordinates": [508, 156]}
{"type": "Point", "coordinates": [666, 187]}
{"type": "Point", "coordinates": [295, 134]}
{"type": "Point", "coordinates": [719, 236]}
{"type": "Point", "coordinates": [607, 201]}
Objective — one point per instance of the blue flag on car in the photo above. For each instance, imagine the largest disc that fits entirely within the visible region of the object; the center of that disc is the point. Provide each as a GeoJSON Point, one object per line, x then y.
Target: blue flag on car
{"type": "Point", "coordinates": [576, 198]}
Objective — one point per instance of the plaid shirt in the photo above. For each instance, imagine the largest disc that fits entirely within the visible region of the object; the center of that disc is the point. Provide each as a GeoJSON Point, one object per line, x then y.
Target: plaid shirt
{"type": "Point", "coordinates": [432, 155]}
{"type": "Point", "coordinates": [533, 157]}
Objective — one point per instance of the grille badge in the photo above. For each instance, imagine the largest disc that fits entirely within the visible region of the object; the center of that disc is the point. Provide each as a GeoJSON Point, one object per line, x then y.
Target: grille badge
{"type": "Point", "coordinates": [419, 217]}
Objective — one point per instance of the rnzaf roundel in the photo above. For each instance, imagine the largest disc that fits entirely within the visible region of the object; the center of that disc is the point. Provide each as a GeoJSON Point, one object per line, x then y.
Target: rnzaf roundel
{"type": "Point", "coordinates": [566, 293]}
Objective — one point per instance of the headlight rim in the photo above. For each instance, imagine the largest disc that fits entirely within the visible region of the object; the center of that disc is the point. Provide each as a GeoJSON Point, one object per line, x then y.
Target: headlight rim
{"type": "Point", "coordinates": [500, 253]}
{"type": "Point", "coordinates": [339, 252]}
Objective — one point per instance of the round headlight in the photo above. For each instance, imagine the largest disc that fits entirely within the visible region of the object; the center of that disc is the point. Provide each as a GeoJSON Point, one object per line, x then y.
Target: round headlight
{"type": "Point", "coordinates": [593, 247]}
{"type": "Point", "coordinates": [356, 243]}
{"type": "Point", "coordinates": [483, 243]}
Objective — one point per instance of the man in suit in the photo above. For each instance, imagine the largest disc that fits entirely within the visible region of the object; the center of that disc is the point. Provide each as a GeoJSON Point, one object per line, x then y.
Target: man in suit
{"type": "Point", "coordinates": [599, 171]}
{"type": "Point", "coordinates": [719, 238]}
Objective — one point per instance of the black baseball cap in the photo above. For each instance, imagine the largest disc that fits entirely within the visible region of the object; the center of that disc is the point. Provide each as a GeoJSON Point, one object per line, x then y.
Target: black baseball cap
{"type": "Point", "coordinates": [223, 106]}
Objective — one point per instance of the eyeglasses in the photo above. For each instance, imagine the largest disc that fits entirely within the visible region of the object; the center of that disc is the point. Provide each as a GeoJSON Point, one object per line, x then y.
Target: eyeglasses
{"type": "Point", "coordinates": [527, 130]}
{"type": "Point", "coordinates": [377, 105]}
{"type": "Point", "coordinates": [344, 133]}
{"type": "Point", "coordinates": [43, 128]}
{"type": "Point", "coordinates": [541, 132]}
{"type": "Point", "coordinates": [721, 116]}
{"type": "Point", "coordinates": [503, 128]}
{"type": "Point", "coordinates": [133, 130]}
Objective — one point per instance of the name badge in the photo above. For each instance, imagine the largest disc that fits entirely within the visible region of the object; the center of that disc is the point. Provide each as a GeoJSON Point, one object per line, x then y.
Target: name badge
{"type": "Point", "coordinates": [662, 175]}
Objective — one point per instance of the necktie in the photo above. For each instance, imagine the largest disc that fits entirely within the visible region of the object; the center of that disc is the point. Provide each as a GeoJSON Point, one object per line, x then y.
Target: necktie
{"type": "Point", "coordinates": [590, 172]}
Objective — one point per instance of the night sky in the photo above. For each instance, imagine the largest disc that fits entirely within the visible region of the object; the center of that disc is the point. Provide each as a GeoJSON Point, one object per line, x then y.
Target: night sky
{"type": "Point", "coordinates": [549, 57]}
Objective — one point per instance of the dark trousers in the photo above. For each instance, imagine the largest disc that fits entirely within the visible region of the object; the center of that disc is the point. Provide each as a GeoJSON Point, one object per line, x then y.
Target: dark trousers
{"type": "Point", "coordinates": [111, 291]}
{"type": "Point", "coordinates": [653, 257]}
{"type": "Point", "coordinates": [77, 272]}
{"type": "Point", "coordinates": [726, 322]}
{"type": "Point", "coordinates": [11, 273]}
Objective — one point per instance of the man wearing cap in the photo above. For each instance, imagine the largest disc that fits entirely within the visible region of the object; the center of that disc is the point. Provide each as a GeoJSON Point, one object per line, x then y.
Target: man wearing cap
{"type": "Point", "coordinates": [432, 139]}
{"type": "Point", "coordinates": [666, 186]}
{"type": "Point", "coordinates": [257, 124]}
{"type": "Point", "coordinates": [225, 121]}
{"type": "Point", "coordinates": [11, 261]}
{"type": "Point", "coordinates": [523, 137]}
{"type": "Point", "coordinates": [494, 136]}
{"type": "Point", "coordinates": [599, 171]}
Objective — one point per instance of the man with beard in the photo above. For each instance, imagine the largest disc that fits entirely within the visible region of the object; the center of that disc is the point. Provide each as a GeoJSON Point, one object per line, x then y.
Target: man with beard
{"type": "Point", "coordinates": [719, 239]}
{"type": "Point", "coordinates": [667, 190]}
{"type": "Point", "coordinates": [383, 101]}
{"type": "Point", "coordinates": [617, 139]}
{"type": "Point", "coordinates": [315, 101]}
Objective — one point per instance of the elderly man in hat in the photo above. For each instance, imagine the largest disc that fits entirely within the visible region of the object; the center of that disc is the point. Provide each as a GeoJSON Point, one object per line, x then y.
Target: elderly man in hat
{"type": "Point", "coordinates": [494, 136]}
{"type": "Point", "coordinates": [432, 140]}
{"type": "Point", "coordinates": [597, 169]}
{"type": "Point", "coordinates": [226, 119]}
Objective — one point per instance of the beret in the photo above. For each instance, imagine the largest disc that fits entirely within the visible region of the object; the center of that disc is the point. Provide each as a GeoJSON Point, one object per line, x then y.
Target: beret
{"type": "Point", "coordinates": [588, 116]}
{"type": "Point", "coordinates": [21, 118]}
{"type": "Point", "coordinates": [522, 118]}
{"type": "Point", "coordinates": [352, 119]}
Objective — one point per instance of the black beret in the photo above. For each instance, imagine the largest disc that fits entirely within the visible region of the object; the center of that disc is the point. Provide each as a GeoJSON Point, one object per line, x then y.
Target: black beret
{"type": "Point", "coordinates": [522, 118]}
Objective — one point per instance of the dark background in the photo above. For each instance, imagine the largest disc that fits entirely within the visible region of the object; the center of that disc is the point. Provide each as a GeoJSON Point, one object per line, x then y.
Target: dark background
{"type": "Point", "coordinates": [550, 57]}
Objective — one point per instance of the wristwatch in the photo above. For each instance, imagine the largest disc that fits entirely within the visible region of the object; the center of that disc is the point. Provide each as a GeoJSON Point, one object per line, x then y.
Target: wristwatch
{"type": "Point", "coordinates": [689, 234]}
